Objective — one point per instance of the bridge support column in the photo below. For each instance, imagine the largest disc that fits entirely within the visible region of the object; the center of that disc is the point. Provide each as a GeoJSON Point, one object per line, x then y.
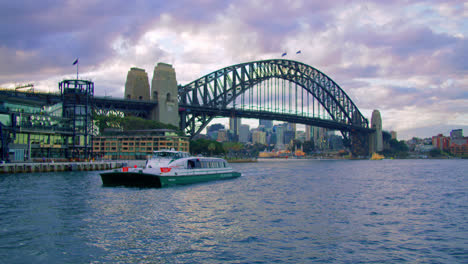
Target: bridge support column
{"type": "Point", "coordinates": [164, 90]}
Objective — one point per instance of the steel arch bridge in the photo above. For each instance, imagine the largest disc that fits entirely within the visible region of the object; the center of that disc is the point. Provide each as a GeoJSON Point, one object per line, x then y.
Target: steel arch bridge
{"type": "Point", "coordinates": [276, 89]}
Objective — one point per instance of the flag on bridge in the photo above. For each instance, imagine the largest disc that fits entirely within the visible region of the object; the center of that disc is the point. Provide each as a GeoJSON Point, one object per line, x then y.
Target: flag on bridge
{"type": "Point", "coordinates": [284, 54]}
{"type": "Point", "coordinates": [298, 52]}
{"type": "Point", "coordinates": [75, 62]}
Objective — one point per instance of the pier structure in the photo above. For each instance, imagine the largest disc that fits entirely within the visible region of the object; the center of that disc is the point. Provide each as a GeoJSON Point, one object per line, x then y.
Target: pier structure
{"type": "Point", "coordinates": [10, 168]}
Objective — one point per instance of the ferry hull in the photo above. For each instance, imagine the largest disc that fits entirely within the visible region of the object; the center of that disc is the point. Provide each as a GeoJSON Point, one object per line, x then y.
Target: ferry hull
{"type": "Point", "coordinates": [131, 179]}
{"type": "Point", "coordinates": [189, 179]}
{"type": "Point", "coordinates": [138, 179]}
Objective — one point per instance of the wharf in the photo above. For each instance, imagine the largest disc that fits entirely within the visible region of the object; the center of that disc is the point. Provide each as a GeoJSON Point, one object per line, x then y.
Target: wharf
{"type": "Point", "coordinates": [59, 166]}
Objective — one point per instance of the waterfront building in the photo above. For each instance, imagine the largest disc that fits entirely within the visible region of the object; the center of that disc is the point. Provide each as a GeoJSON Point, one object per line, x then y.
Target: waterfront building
{"type": "Point", "coordinates": [58, 128]}
{"type": "Point", "coordinates": [459, 150]}
{"type": "Point", "coordinates": [441, 142]}
{"type": "Point", "coordinates": [137, 144]}
{"type": "Point", "coordinates": [458, 143]}
{"type": "Point", "coordinates": [456, 137]}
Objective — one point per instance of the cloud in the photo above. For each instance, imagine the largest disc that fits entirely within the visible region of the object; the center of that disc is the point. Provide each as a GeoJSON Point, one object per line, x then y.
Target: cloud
{"type": "Point", "coordinates": [408, 59]}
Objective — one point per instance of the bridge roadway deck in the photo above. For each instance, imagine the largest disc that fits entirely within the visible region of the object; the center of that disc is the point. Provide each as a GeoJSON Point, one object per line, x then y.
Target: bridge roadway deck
{"type": "Point", "coordinates": [331, 124]}
{"type": "Point", "coordinates": [144, 108]}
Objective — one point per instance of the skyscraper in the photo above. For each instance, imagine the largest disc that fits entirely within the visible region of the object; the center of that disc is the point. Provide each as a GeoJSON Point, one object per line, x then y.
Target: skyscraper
{"type": "Point", "coordinates": [376, 139]}
{"type": "Point", "coordinates": [234, 124]}
{"type": "Point", "coordinates": [244, 133]}
{"type": "Point", "coordinates": [268, 124]}
{"type": "Point", "coordinates": [279, 137]}
{"type": "Point", "coordinates": [307, 132]}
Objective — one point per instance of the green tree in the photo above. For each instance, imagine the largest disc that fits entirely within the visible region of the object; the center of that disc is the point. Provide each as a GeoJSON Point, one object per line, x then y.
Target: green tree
{"type": "Point", "coordinates": [398, 149]}
{"type": "Point", "coordinates": [107, 121]}
{"type": "Point", "coordinates": [111, 120]}
{"type": "Point", "coordinates": [435, 152]}
{"type": "Point", "coordinates": [232, 146]}
{"type": "Point", "coordinates": [201, 146]}
{"type": "Point", "coordinates": [308, 146]}
{"type": "Point", "coordinates": [211, 148]}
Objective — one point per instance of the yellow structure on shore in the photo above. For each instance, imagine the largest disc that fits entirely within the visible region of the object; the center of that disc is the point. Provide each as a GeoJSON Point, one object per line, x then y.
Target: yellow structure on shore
{"type": "Point", "coordinates": [376, 156]}
{"type": "Point", "coordinates": [281, 154]}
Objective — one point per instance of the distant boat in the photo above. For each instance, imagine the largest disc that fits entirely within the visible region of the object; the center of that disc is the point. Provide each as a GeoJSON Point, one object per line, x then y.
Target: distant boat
{"type": "Point", "coordinates": [376, 156]}
{"type": "Point", "coordinates": [169, 167]}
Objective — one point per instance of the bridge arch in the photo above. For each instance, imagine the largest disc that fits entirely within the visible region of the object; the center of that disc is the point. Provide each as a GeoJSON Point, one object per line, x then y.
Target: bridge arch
{"type": "Point", "coordinates": [215, 94]}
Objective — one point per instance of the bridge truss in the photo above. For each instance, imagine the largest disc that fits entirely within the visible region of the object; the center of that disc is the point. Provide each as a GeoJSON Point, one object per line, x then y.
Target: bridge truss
{"type": "Point", "coordinates": [282, 90]}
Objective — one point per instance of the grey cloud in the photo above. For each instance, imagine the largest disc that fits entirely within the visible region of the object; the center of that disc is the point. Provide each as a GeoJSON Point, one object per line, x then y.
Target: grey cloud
{"type": "Point", "coordinates": [55, 32]}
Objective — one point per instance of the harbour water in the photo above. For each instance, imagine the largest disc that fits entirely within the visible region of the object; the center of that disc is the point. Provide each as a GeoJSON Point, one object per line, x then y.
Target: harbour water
{"type": "Point", "coordinates": [279, 211]}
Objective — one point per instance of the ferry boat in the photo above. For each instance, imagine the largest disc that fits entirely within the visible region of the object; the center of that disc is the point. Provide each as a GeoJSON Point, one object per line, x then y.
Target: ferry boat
{"type": "Point", "coordinates": [169, 167]}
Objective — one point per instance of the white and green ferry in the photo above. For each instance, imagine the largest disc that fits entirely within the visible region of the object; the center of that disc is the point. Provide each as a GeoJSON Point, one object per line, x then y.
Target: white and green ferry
{"type": "Point", "coordinates": [169, 167]}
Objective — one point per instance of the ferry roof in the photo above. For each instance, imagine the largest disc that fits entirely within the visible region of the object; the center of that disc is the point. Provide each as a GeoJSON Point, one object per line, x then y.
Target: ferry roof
{"type": "Point", "coordinates": [169, 150]}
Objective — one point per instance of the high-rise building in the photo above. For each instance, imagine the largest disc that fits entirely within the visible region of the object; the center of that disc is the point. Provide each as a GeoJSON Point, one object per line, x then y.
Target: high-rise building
{"type": "Point", "coordinates": [244, 133]}
{"type": "Point", "coordinates": [308, 133]}
{"type": "Point", "coordinates": [234, 125]}
{"type": "Point", "coordinates": [456, 137]}
{"type": "Point", "coordinates": [212, 131]}
{"type": "Point", "coordinates": [215, 127]}
{"type": "Point", "coordinates": [137, 85]}
{"type": "Point", "coordinates": [259, 137]}
{"type": "Point", "coordinates": [441, 142]}
{"type": "Point", "coordinates": [268, 124]}
{"type": "Point", "coordinates": [376, 138]}
{"type": "Point", "coordinates": [279, 131]}
{"type": "Point", "coordinates": [289, 135]}
{"type": "Point", "coordinates": [456, 133]}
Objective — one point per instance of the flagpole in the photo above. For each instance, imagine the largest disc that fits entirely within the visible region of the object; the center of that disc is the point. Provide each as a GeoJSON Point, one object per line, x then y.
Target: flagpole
{"type": "Point", "coordinates": [76, 62]}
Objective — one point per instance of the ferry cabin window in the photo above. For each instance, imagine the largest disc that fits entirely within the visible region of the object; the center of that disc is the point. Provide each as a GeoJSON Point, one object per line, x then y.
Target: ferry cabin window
{"type": "Point", "coordinates": [190, 164]}
{"type": "Point", "coordinates": [194, 164]}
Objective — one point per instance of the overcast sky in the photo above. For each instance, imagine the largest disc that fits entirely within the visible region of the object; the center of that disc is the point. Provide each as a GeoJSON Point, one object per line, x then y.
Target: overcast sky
{"type": "Point", "coordinates": [409, 59]}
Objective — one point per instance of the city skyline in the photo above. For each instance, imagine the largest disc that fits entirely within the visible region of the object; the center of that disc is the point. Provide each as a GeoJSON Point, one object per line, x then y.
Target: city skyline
{"type": "Point", "coordinates": [407, 60]}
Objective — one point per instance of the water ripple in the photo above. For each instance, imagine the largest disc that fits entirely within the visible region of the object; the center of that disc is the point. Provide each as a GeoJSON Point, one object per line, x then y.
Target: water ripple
{"type": "Point", "coordinates": [281, 211]}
